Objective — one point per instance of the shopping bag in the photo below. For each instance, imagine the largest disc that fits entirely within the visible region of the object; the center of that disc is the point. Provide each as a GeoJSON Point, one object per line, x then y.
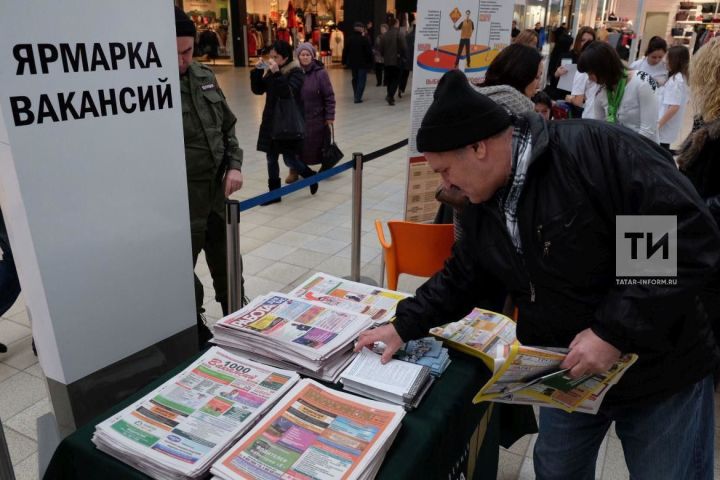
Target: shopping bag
{"type": "Point", "coordinates": [331, 153]}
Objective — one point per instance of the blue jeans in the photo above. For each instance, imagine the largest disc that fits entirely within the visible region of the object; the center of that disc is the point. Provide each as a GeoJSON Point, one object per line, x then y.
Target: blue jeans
{"type": "Point", "coordinates": [291, 160]}
{"type": "Point", "coordinates": [671, 439]}
{"type": "Point", "coordinates": [9, 283]}
{"type": "Point", "coordinates": [359, 78]}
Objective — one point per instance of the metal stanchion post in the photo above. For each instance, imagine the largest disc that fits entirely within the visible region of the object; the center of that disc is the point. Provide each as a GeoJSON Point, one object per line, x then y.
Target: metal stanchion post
{"type": "Point", "coordinates": [382, 270]}
{"type": "Point", "coordinates": [357, 217]}
{"type": "Point", "coordinates": [234, 260]}
{"type": "Point", "coordinates": [357, 222]}
{"type": "Point", "coordinates": [6, 468]}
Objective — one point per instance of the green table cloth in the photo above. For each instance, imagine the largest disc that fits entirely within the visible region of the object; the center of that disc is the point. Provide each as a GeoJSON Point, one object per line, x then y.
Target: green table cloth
{"type": "Point", "coordinates": [446, 437]}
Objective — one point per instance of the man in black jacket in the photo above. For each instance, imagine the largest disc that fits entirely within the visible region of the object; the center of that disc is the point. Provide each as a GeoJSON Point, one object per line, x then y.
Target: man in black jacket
{"type": "Point", "coordinates": [358, 56]}
{"type": "Point", "coordinates": [541, 218]}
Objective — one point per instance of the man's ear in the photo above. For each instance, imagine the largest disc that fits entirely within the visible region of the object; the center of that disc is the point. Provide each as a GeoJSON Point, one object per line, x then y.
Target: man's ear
{"type": "Point", "coordinates": [481, 150]}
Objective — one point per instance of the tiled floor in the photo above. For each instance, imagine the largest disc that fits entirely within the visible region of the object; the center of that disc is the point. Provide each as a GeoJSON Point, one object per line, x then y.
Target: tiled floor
{"type": "Point", "coordinates": [281, 245]}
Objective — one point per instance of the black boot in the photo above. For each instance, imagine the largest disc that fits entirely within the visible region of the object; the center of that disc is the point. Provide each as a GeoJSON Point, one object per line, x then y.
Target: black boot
{"type": "Point", "coordinates": [273, 184]}
{"type": "Point", "coordinates": [307, 173]}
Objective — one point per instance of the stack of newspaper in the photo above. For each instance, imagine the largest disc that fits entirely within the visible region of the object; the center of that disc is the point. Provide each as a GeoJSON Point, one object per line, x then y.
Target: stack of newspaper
{"type": "Point", "coordinates": [397, 382]}
{"type": "Point", "coordinates": [179, 429]}
{"type": "Point", "coordinates": [315, 432]}
{"type": "Point", "coordinates": [313, 338]}
{"type": "Point", "coordinates": [378, 303]}
{"type": "Point", "coordinates": [524, 374]}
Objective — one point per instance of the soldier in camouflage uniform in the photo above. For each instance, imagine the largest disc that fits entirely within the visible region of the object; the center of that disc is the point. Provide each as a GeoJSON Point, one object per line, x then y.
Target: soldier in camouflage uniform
{"type": "Point", "coordinates": [213, 160]}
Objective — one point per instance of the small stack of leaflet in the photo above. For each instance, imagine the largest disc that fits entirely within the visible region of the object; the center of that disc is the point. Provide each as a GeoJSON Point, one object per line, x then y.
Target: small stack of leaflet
{"type": "Point", "coordinates": [397, 382]}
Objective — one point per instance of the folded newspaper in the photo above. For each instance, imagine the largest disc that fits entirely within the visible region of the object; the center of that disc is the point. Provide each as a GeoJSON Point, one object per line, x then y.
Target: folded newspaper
{"type": "Point", "coordinates": [478, 334]}
{"type": "Point", "coordinates": [524, 374]}
{"type": "Point", "coordinates": [533, 376]}
{"type": "Point", "coordinates": [179, 429]}
{"type": "Point", "coordinates": [378, 303]}
{"type": "Point", "coordinates": [314, 432]}
{"type": "Point", "coordinates": [314, 338]}
{"type": "Point", "coordinates": [398, 382]}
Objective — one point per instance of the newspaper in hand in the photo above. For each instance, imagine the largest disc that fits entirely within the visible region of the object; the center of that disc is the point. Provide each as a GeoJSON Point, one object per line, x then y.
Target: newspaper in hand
{"type": "Point", "coordinates": [378, 303]}
{"type": "Point", "coordinates": [532, 376]}
{"type": "Point", "coordinates": [184, 425]}
{"type": "Point", "coordinates": [478, 334]}
{"type": "Point", "coordinates": [314, 432]}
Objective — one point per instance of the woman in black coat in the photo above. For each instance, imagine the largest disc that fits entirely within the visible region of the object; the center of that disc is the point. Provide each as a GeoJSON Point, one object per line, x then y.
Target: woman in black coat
{"type": "Point", "coordinates": [281, 77]}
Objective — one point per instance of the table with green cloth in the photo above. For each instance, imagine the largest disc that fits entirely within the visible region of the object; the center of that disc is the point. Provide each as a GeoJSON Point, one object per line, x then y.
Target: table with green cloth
{"type": "Point", "coordinates": [446, 437]}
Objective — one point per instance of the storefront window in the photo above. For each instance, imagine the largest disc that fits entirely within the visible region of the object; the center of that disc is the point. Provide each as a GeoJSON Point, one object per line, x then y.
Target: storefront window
{"type": "Point", "coordinates": [213, 43]}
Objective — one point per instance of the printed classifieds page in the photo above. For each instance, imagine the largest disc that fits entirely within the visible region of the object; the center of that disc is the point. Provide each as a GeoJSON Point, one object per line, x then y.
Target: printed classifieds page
{"type": "Point", "coordinates": [533, 376]}
{"type": "Point", "coordinates": [194, 416]}
{"type": "Point", "coordinates": [314, 432]}
{"type": "Point", "coordinates": [479, 333]}
{"type": "Point", "coordinates": [396, 376]}
{"type": "Point", "coordinates": [314, 329]}
{"type": "Point", "coordinates": [378, 303]}
{"type": "Point", "coordinates": [521, 364]}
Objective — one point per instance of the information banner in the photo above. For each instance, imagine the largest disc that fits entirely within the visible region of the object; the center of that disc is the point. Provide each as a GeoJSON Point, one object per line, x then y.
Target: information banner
{"type": "Point", "coordinates": [92, 178]}
{"type": "Point", "coordinates": [464, 34]}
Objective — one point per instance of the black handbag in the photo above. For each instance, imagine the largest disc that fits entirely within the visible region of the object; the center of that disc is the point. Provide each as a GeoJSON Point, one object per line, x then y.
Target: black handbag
{"type": "Point", "coordinates": [331, 153]}
{"type": "Point", "coordinates": [288, 120]}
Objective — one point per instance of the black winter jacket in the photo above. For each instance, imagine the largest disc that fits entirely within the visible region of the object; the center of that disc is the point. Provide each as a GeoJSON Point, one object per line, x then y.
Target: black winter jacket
{"type": "Point", "coordinates": [289, 80]}
{"type": "Point", "coordinates": [584, 173]}
{"type": "Point", "coordinates": [358, 51]}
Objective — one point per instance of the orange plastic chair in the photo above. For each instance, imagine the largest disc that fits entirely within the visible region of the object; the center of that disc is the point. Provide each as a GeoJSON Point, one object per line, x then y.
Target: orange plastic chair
{"type": "Point", "coordinates": [416, 249]}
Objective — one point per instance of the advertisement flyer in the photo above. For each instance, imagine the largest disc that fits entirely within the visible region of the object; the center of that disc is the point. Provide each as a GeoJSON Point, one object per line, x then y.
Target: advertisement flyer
{"type": "Point", "coordinates": [462, 34]}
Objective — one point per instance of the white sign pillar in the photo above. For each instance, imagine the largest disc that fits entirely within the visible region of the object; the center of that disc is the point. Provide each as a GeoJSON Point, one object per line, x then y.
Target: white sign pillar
{"type": "Point", "coordinates": [94, 194]}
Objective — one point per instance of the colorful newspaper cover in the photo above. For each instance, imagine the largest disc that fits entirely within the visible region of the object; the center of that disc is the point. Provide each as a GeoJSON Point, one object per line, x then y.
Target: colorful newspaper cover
{"type": "Point", "coordinates": [530, 375]}
{"type": "Point", "coordinates": [314, 433]}
{"type": "Point", "coordinates": [478, 334]}
{"type": "Point", "coordinates": [201, 409]}
{"type": "Point", "coordinates": [300, 324]}
{"type": "Point", "coordinates": [378, 303]}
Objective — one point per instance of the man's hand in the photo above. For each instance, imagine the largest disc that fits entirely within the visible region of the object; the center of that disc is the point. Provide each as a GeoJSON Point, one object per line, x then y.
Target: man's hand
{"type": "Point", "coordinates": [589, 354]}
{"type": "Point", "coordinates": [386, 334]}
{"type": "Point", "coordinates": [233, 181]}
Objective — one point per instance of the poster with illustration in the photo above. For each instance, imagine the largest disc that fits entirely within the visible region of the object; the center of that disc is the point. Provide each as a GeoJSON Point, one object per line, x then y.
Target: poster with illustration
{"type": "Point", "coordinates": [459, 34]}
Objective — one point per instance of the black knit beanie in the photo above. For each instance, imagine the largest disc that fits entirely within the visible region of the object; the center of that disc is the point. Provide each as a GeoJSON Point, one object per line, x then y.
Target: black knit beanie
{"type": "Point", "coordinates": [184, 27]}
{"type": "Point", "coordinates": [459, 116]}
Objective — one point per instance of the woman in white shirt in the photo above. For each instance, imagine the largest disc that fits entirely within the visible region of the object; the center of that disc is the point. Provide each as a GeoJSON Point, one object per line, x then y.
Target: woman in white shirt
{"type": "Point", "coordinates": [624, 97]}
{"type": "Point", "coordinates": [653, 62]}
{"type": "Point", "coordinates": [674, 96]}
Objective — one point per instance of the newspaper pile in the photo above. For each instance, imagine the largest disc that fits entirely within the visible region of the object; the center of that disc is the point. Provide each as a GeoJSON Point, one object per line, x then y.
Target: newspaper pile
{"type": "Point", "coordinates": [313, 338]}
{"type": "Point", "coordinates": [398, 382]}
{"type": "Point", "coordinates": [315, 432]}
{"type": "Point", "coordinates": [179, 429]}
{"type": "Point", "coordinates": [378, 303]}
